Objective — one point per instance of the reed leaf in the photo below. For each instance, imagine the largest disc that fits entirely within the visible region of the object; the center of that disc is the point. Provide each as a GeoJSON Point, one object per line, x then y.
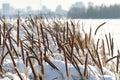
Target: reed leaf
{"type": "Point", "coordinates": [99, 27]}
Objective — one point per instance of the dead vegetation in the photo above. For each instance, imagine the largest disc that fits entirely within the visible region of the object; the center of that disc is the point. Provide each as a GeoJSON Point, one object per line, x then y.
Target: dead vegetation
{"type": "Point", "coordinates": [35, 46]}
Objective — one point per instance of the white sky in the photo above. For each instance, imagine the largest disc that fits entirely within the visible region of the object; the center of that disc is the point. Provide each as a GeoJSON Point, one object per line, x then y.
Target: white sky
{"type": "Point", "coordinates": [51, 4]}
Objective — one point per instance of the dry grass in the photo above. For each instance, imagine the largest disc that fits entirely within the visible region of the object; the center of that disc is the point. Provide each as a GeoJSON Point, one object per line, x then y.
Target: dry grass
{"type": "Point", "coordinates": [39, 36]}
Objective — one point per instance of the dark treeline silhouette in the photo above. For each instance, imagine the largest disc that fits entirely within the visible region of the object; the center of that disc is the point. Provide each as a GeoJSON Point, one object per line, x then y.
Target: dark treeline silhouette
{"type": "Point", "coordinates": [102, 11]}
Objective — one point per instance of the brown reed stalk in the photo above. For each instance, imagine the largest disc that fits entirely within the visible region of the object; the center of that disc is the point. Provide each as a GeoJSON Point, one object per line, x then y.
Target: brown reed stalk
{"type": "Point", "coordinates": [1, 70]}
{"type": "Point", "coordinates": [1, 63]}
{"type": "Point", "coordinates": [28, 33]}
{"type": "Point", "coordinates": [64, 32]}
{"type": "Point", "coordinates": [103, 53]}
{"type": "Point", "coordinates": [93, 58]}
{"type": "Point", "coordinates": [107, 44]}
{"type": "Point", "coordinates": [43, 38]}
{"type": "Point", "coordinates": [18, 31]}
{"type": "Point", "coordinates": [28, 38]}
{"type": "Point", "coordinates": [47, 41]}
{"type": "Point", "coordinates": [8, 32]}
{"type": "Point", "coordinates": [50, 63]}
{"type": "Point", "coordinates": [32, 40]}
{"type": "Point", "coordinates": [3, 57]}
{"type": "Point", "coordinates": [4, 38]}
{"type": "Point", "coordinates": [10, 42]}
{"type": "Point", "coordinates": [90, 34]}
{"type": "Point", "coordinates": [72, 41]}
{"type": "Point", "coordinates": [38, 34]}
{"type": "Point", "coordinates": [29, 49]}
{"type": "Point", "coordinates": [42, 66]}
{"type": "Point", "coordinates": [70, 31]}
{"type": "Point", "coordinates": [51, 32]}
{"type": "Point", "coordinates": [4, 28]}
{"type": "Point", "coordinates": [83, 28]}
{"type": "Point", "coordinates": [79, 60]}
{"type": "Point", "coordinates": [86, 41]}
{"type": "Point", "coordinates": [117, 66]}
{"type": "Point", "coordinates": [67, 30]}
{"type": "Point", "coordinates": [112, 58]}
{"type": "Point", "coordinates": [14, 50]}
{"type": "Point", "coordinates": [80, 43]}
{"type": "Point", "coordinates": [0, 35]}
{"type": "Point", "coordinates": [22, 51]}
{"type": "Point", "coordinates": [18, 73]}
{"type": "Point", "coordinates": [110, 39]}
{"type": "Point", "coordinates": [99, 27]}
{"type": "Point", "coordinates": [85, 67]}
{"type": "Point", "coordinates": [99, 62]}
{"type": "Point", "coordinates": [50, 51]}
{"type": "Point", "coordinates": [32, 21]}
{"type": "Point", "coordinates": [10, 53]}
{"type": "Point", "coordinates": [32, 57]}
{"type": "Point", "coordinates": [66, 66]}
{"type": "Point", "coordinates": [112, 47]}
{"type": "Point", "coordinates": [77, 48]}
{"type": "Point", "coordinates": [97, 44]}
{"type": "Point", "coordinates": [57, 41]}
{"type": "Point", "coordinates": [65, 58]}
{"type": "Point", "coordinates": [32, 68]}
{"type": "Point", "coordinates": [41, 54]}
{"type": "Point", "coordinates": [74, 63]}
{"type": "Point", "coordinates": [45, 45]}
{"type": "Point", "coordinates": [13, 39]}
{"type": "Point", "coordinates": [73, 27]}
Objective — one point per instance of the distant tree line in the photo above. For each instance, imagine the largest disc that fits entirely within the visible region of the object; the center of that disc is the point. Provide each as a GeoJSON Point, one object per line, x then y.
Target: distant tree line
{"type": "Point", "coordinates": [102, 11]}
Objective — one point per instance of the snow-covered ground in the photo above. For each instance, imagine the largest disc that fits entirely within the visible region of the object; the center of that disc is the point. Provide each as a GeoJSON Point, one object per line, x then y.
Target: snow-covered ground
{"type": "Point", "coordinates": [53, 74]}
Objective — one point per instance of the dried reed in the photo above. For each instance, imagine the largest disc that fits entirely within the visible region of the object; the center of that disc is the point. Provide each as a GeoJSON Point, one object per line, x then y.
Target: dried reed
{"type": "Point", "coordinates": [99, 27]}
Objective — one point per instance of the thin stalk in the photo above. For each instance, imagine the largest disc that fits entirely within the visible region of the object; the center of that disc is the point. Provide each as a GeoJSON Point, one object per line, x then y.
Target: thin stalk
{"type": "Point", "coordinates": [86, 66]}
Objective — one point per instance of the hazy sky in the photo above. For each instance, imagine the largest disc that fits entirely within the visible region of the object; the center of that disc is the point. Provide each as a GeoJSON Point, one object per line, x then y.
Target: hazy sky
{"type": "Point", "coordinates": [36, 4]}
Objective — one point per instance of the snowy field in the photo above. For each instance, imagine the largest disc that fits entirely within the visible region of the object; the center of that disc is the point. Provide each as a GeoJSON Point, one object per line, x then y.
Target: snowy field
{"type": "Point", "coordinates": [43, 49]}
